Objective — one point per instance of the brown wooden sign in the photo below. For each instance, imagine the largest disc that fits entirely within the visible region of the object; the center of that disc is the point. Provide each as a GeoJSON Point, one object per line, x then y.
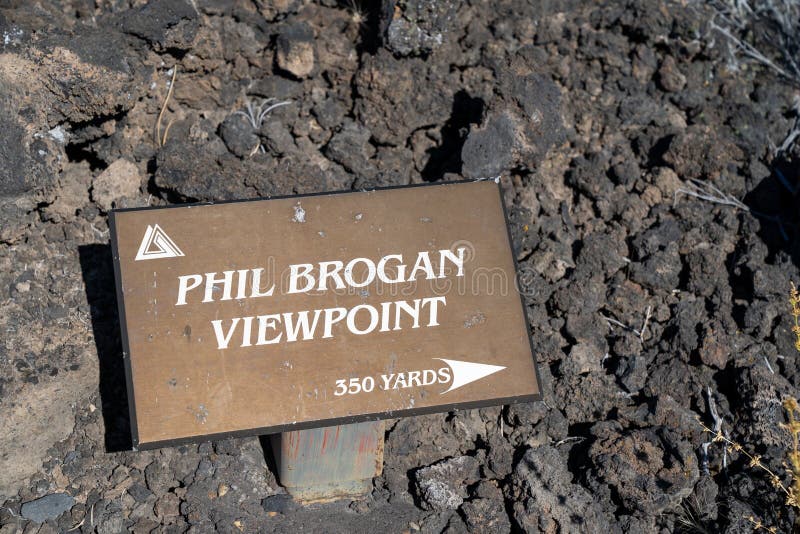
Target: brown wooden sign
{"type": "Point", "coordinates": [255, 317]}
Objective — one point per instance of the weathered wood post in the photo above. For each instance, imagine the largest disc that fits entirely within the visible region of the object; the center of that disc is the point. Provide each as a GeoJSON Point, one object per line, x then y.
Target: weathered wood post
{"type": "Point", "coordinates": [334, 462]}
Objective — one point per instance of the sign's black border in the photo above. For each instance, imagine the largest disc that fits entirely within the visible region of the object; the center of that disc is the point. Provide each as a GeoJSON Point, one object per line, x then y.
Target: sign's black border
{"type": "Point", "coordinates": [136, 445]}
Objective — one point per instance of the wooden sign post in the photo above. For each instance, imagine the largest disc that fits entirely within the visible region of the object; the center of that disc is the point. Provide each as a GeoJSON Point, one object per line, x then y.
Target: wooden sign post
{"type": "Point", "coordinates": [331, 462]}
{"type": "Point", "coordinates": [291, 314]}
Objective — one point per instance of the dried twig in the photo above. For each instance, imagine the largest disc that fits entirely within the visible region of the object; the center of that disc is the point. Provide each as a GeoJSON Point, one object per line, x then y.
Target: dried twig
{"type": "Point", "coordinates": [710, 193]}
{"type": "Point", "coordinates": [712, 410]}
{"type": "Point", "coordinates": [758, 525]}
{"type": "Point", "coordinates": [159, 139]}
{"type": "Point", "coordinates": [754, 459]}
{"type": "Point", "coordinates": [568, 439]}
{"type": "Point", "coordinates": [767, 23]}
{"type": "Point", "coordinates": [750, 51]}
{"type": "Point", "coordinates": [788, 143]}
{"type": "Point", "coordinates": [644, 326]}
{"type": "Point", "coordinates": [639, 333]}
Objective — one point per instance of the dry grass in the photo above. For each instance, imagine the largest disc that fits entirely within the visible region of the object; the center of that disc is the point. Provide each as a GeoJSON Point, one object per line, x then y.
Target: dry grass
{"type": "Point", "coordinates": [764, 31]}
{"type": "Point", "coordinates": [787, 485]}
{"type": "Point", "coordinates": [790, 490]}
{"type": "Point", "coordinates": [256, 111]}
{"type": "Point", "coordinates": [793, 453]}
{"type": "Point", "coordinates": [794, 301]}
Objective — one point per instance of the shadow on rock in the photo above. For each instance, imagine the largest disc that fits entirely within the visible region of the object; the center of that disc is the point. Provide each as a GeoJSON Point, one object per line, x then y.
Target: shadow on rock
{"type": "Point", "coordinates": [776, 202]}
{"type": "Point", "coordinates": [269, 454]}
{"type": "Point", "coordinates": [446, 156]}
{"type": "Point", "coordinates": [98, 277]}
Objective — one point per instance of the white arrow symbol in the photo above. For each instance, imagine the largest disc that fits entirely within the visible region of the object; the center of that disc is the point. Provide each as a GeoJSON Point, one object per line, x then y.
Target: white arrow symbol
{"type": "Point", "coordinates": [466, 372]}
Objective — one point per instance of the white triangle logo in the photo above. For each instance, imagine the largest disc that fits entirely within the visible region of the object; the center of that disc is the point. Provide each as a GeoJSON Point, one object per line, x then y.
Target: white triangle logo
{"type": "Point", "coordinates": [467, 372]}
{"type": "Point", "coordinates": [157, 244]}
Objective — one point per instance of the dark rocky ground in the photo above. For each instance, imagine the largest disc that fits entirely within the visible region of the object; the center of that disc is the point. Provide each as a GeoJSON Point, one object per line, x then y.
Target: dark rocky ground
{"type": "Point", "coordinates": [595, 114]}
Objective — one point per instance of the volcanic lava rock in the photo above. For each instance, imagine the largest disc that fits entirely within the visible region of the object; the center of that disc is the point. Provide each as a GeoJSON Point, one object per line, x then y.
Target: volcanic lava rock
{"type": "Point", "coordinates": [520, 124]}
{"type": "Point", "coordinates": [650, 469]}
{"type": "Point", "coordinates": [239, 136]}
{"type": "Point", "coordinates": [295, 50]}
{"type": "Point", "coordinates": [398, 96]}
{"type": "Point", "coordinates": [165, 24]}
{"type": "Point", "coordinates": [442, 486]}
{"type": "Point", "coordinates": [546, 500]}
{"type": "Point", "coordinates": [47, 507]}
{"type": "Point", "coordinates": [416, 26]}
{"type": "Point", "coordinates": [121, 179]}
